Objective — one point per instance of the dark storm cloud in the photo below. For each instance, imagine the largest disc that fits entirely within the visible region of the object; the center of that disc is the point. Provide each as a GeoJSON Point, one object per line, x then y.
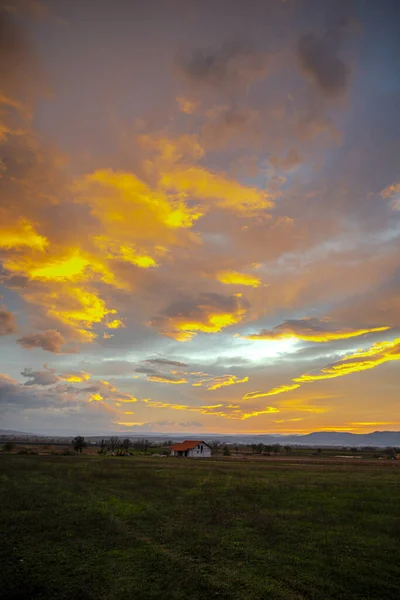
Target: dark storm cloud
{"type": "Point", "coordinates": [232, 65]}
{"type": "Point", "coordinates": [319, 56]}
{"type": "Point", "coordinates": [19, 70]}
{"type": "Point", "coordinates": [8, 324]}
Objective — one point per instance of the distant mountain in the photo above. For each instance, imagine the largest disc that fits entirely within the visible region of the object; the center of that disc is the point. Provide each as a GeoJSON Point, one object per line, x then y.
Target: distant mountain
{"type": "Point", "coordinates": [377, 439]}
{"type": "Point", "coordinates": [12, 432]}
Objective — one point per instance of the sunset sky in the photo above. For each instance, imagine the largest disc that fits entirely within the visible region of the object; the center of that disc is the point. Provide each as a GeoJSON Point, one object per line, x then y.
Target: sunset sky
{"type": "Point", "coordinates": [200, 216]}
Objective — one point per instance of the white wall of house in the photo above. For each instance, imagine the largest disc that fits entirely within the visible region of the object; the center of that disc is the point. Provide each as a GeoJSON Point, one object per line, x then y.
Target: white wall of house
{"type": "Point", "coordinates": [200, 451]}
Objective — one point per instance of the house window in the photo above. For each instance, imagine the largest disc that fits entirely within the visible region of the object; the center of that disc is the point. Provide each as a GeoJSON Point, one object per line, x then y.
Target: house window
{"type": "Point", "coordinates": [201, 448]}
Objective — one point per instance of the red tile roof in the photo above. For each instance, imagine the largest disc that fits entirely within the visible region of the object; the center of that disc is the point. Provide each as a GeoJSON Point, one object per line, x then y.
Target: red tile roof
{"type": "Point", "coordinates": [187, 445]}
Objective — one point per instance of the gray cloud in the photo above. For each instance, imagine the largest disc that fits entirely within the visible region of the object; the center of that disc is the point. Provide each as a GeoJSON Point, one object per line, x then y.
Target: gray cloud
{"type": "Point", "coordinates": [165, 362]}
{"type": "Point", "coordinates": [8, 323]}
{"type": "Point", "coordinates": [46, 377]}
{"type": "Point", "coordinates": [191, 424]}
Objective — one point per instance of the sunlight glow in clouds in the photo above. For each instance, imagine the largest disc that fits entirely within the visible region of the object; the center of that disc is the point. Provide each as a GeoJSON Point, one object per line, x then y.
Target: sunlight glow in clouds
{"type": "Point", "coordinates": [168, 220]}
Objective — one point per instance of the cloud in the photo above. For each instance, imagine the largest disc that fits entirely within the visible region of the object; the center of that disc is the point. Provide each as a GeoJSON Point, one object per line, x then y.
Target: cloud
{"type": "Point", "coordinates": [318, 58]}
{"type": "Point", "coordinates": [214, 383]}
{"type": "Point", "coordinates": [208, 313]}
{"type": "Point", "coordinates": [312, 330]}
{"type": "Point", "coordinates": [103, 390]}
{"type": "Point", "coordinates": [8, 324]}
{"type": "Point", "coordinates": [46, 377]}
{"type": "Point", "coordinates": [74, 376]}
{"type": "Point", "coordinates": [166, 379]}
{"type": "Point", "coordinates": [186, 106]}
{"type": "Point", "coordinates": [363, 360]}
{"type": "Point", "coordinates": [235, 278]}
{"type": "Point", "coordinates": [228, 411]}
{"type": "Point", "coordinates": [165, 362]}
{"type": "Point", "coordinates": [232, 66]}
{"type": "Point", "coordinates": [231, 125]}
{"type": "Point", "coordinates": [50, 341]}
{"type": "Point", "coordinates": [278, 390]}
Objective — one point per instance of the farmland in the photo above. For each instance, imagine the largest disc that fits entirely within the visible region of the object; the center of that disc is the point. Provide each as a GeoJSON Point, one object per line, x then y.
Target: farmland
{"type": "Point", "coordinates": [110, 528]}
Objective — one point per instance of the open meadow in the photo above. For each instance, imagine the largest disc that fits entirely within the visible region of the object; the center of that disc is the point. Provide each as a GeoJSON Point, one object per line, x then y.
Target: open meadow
{"type": "Point", "coordinates": [111, 528]}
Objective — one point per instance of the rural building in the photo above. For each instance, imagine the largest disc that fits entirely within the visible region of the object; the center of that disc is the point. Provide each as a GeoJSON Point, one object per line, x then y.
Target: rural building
{"type": "Point", "coordinates": [191, 448]}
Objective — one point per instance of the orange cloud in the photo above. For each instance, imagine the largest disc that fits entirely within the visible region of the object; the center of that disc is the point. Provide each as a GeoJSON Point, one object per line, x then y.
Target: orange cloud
{"type": "Point", "coordinates": [215, 383]}
{"type": "Point", "coordinates": [311, 330]}
{"type": "Point", "coordinates": [20, 234]}
{"type": "Point", "coordinates": [376, 355]}
{"type": "Point", "coordinates": [391, 190]}
{"type": "Point", "coordinates": [228, 411]}
{"type": "Point", "coordinates": [226, 193]}
{"type": "Point", "coordinates": [235, 278]}
{"type": "Point", "coordinates": [186, 106]}
{"type": "Point", "coordinates": [363, 360]}
{"type": "Point", "coordinates": [76, 377]}
{"type": "Point", "coordinates": [166, 379]}
{"type": "Point", "coordinates": [115, 324]}
{"type": "Point", "coordinates": [210, 313]}
{"type": "Point", "coordinates": [278, 390]}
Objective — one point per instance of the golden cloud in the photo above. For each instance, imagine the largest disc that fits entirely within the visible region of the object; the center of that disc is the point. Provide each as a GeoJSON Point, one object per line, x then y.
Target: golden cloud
{"type": "Point", "coordinates": [363, 360]}
{"type": "Point", "coordinates": [166, 379]}
{"type": "Point", "coordinates": [214, 383]}
{"type": "Point", "coordinates": [228, 411]}
{"type": "Point", "coordinates": [75, 377]}
{"type": "Point", "coordinates": [311, 330]}
{"type": "Point", "coordinates": [209, 313]}
{"type": "Point", "coordinates": [278, 390]}
{"type": "Point", "coordinates": [235, 278]}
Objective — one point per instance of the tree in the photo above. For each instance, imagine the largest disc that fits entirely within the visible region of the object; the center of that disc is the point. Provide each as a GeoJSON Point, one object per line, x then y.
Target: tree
{"type": "Point", "coordinates": [226, 451]}
{"type": "Point", "coordinates": [8, 446]}
{"type": "Point", "coordinates": [146, 445]}
{"type": "Point", "coordinates": [126, 443]}
{"type": "Point", "coordinates": [115, 442]}
{"type": "Point", "coordinates": [253, 448]}
{"type": "Point", "coordinates": [276, 448]}
{"type": "Point", "coordinates": [287, 449]}
{"type": "Point", "coordinates": [78, 443]}
{"type": "Point", "coordinates": [260, 448]}
{"type": "Point", "coordinates": [236, 448]}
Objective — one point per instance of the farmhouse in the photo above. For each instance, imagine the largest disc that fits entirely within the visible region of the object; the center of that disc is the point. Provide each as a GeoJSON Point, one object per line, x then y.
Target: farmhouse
{"type": "Point", "coordinates": [191, 448]}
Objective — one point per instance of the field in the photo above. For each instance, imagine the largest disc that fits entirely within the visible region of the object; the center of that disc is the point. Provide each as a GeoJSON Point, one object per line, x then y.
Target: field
{"type": "Point", "coordinates": [109, 528]}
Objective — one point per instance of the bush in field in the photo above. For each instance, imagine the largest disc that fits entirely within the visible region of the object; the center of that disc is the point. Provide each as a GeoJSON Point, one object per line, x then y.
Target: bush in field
{"type": "Point", "coordinates": [8, 446]}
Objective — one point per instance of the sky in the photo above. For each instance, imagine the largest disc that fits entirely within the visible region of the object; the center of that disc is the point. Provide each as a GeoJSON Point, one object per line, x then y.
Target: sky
{"type": "Point", "coordinates": [199, 216]}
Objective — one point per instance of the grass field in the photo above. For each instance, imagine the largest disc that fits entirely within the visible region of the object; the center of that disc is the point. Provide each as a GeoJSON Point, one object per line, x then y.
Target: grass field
{"type": "Point", "coordinates": [107, 528]}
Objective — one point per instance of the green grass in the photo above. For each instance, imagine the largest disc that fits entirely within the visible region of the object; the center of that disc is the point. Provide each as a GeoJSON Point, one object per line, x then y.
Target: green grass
{"type": "Point", "coordinates": [106, 528]}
